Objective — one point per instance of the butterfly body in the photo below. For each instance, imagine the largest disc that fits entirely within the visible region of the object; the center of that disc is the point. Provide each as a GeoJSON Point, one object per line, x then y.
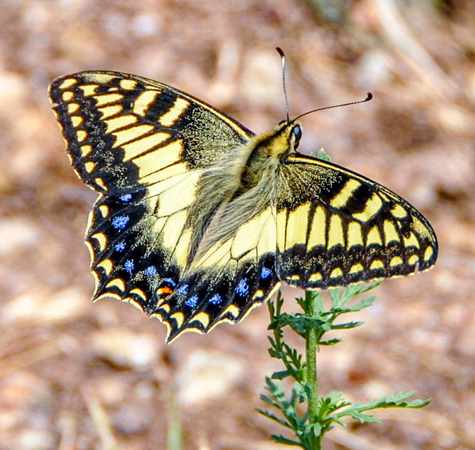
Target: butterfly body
{"type": "Point", "coordinates": [198, 219]}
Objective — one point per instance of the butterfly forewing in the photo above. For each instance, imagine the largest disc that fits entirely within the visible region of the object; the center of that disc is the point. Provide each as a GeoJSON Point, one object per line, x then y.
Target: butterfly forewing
{"type": "Point", "coordinates": [335, 227]}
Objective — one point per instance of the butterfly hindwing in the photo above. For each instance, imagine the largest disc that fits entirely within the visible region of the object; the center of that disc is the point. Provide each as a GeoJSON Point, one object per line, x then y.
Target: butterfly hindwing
{"type": "Point", "coordinates": [143, 146]}
{"type": "Point", "coordinates": [227, 281]}
{"type": "Point", "coordinates": [335, 227]}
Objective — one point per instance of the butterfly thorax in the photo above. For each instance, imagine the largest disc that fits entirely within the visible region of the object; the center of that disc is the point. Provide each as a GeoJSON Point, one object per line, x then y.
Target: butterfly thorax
{"type": "Point", "coordinates": [265, 154]}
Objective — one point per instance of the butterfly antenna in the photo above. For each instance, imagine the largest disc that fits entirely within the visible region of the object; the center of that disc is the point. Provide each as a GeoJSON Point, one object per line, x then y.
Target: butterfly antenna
{"type": "Point", "coordinates": [282, 55]}
{"type": "Point", "coordinates": [369, 96]}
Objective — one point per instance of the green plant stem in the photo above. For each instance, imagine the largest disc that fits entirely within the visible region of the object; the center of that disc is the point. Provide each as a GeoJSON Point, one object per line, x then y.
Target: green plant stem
{"type": "Point", "coordinates": [303, 411]}
{"type": "Point", "coordinates": [311, 348]}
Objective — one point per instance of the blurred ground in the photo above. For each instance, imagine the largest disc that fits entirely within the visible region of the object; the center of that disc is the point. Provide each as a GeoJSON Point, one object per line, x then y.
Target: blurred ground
{"type": "Point", "coordinates": [74, 375]}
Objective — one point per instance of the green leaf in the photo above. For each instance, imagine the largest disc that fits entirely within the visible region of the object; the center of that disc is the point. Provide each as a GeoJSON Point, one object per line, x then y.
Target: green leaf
{"type": "Point", "coordinates": [391, 401]}
{"type": "Point", "coordinates": [270, 401]}
{"type": "Point", "coordinates": [281, 374]}
{"type": "Point", "coordinates": [316, 429]}
{"type": "Point", "coordinates": [369, 287]}
{"type": "Point", "coordinates": [323, 155]}
{"type": "Point", "coordinates": [418, 403]}
{"type": "Point", "coordinates": [365, 303]}
{"type": "Point", "coordinates": [347, 325]}
{"type": "Point", "coordinates": [364, 418]}
{"type": "Point", "coordinates": [330, 342]}
{"type": "Point", "coordinates": [283, 440]}
{"type": "Point", "coordinates": [275, 418]}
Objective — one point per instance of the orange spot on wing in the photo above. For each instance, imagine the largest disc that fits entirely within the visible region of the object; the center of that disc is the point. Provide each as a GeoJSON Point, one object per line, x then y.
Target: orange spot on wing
{"type": "Point", "coordinates": [164, 291]}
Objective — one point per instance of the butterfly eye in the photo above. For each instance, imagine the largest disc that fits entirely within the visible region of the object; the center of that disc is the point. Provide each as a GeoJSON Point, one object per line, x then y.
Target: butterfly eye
{"type": "Point", "coordinates": [297, 132]}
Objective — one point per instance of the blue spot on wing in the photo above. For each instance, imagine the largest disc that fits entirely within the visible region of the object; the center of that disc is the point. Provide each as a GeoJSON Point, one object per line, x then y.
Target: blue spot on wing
{"type": "Point", "coordinates": [216, 299]}
{"type": "Point", "coordinates": [120, 222]}
{"type": "Point", "coordinates": [192, 301]}
{"type": "Point", "coordinates": [242, 289]}
{"type": "Point", "coordinates": [129, 266]}
{"type": "Point", "coordinates": [120, 246]}
{"type": "Point", "coordinates": [151, 271]}
{"type": "Point", "coordinates": [183, 290]}
{"type": "Point", "coordinates": [126, 198]}
{"type": "Point", "coordinates": [170, 281]}
{"type": "Point", "coordinates": [265, 273]}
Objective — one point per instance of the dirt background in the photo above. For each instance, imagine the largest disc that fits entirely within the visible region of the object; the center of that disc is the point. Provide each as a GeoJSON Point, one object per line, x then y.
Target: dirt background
{"type": "Point", "coordinates": [74, 375]}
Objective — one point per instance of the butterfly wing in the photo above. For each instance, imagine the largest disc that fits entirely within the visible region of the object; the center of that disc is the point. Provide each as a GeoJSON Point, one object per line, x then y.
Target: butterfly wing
{"type": "Point", "coordinates": [143, 146]}
{"type": "Point", "coordinates": [335, 227]}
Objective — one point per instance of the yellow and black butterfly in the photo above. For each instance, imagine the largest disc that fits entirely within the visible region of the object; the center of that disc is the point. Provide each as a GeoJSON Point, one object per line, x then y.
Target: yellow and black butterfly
{"type": "Point", "coordinates": [198, 219]}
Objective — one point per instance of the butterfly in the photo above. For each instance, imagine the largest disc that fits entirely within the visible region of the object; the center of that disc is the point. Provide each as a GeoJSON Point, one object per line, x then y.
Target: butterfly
{"type": "Point", "coordinates": [198, 219]}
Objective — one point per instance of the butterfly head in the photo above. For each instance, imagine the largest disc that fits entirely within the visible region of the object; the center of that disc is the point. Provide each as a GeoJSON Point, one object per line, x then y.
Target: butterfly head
{"type": "Point", "coordinates": [285, 137]}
